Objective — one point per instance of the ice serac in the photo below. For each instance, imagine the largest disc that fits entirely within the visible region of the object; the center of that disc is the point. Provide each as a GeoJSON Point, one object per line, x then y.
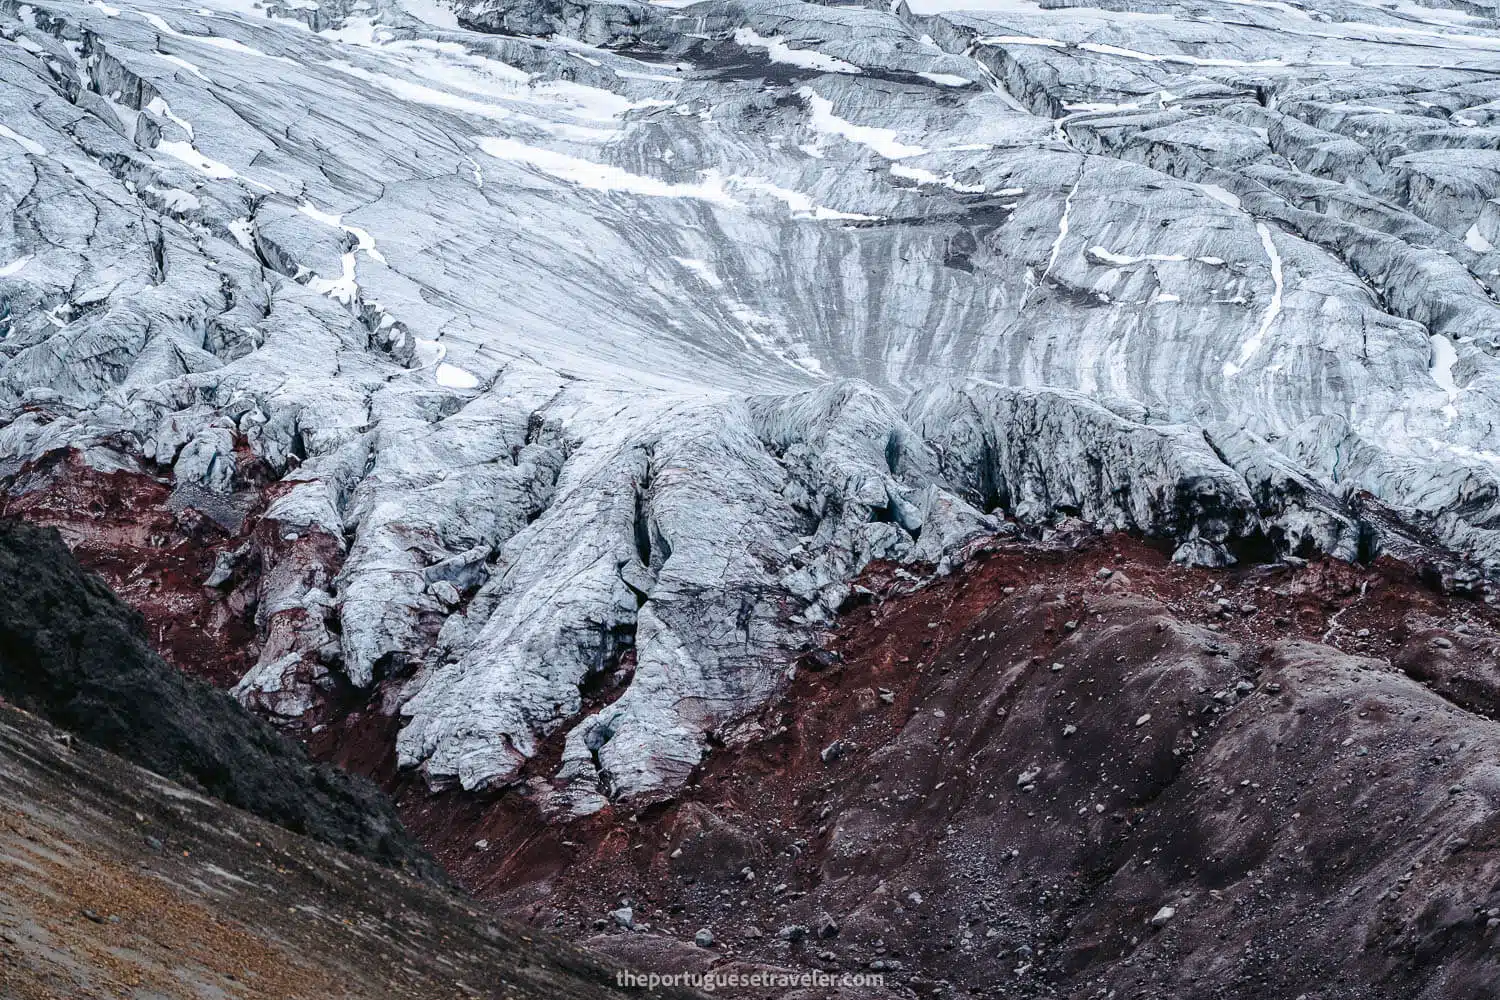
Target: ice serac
{"type": "Point", "coordinates": [1038, 451]}
{"type": "Point", "coordinates": [704, 537]}
{"type": "Point", "coordinates": [553, 368]}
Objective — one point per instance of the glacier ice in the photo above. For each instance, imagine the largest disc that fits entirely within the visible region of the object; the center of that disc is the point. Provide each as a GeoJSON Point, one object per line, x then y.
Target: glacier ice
{"type": "Point", "coordinates": [581, 334]}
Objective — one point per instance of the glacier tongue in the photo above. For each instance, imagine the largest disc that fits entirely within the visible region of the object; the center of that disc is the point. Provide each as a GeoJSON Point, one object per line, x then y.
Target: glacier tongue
{"type": "Point", "coordinates": [613, 339]}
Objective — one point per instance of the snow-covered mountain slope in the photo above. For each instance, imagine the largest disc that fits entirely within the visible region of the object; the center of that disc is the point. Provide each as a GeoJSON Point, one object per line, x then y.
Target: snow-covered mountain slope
{"type": "Point", "coordinates": [544, 340]}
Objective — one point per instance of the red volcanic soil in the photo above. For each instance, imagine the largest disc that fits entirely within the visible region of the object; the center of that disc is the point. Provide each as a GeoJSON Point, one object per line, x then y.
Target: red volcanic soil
{"type": "Point", "coordinates": [155, 551]}
{"type": "Point", "coordinates": [991, 785]}
{"type": "Point", "coordinates": [1069, 768]}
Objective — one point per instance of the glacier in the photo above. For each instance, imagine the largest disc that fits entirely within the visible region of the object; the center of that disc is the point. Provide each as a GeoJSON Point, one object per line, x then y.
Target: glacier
{"type": "Point", "coordinates": [569, 337]}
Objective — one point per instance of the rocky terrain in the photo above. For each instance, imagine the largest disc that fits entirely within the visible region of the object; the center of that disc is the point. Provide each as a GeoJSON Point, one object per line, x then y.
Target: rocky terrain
{"type": "Point", "coordinates": [115, 882]}
{"type": "Point", "coordinates": [1069, 768]}
{"type": "Point", "coordinates": [1072, 769]}
{"type": "Point", "coordinates": [72, 653]}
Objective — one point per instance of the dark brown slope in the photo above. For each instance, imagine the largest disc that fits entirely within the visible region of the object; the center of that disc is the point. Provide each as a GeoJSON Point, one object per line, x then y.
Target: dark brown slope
{"type": "Point", "coordinates": [1004, 777]}
{"type": "Point", "coordinates": [73, 653]}
{"type": "Point", "coordinates": [115, 882]}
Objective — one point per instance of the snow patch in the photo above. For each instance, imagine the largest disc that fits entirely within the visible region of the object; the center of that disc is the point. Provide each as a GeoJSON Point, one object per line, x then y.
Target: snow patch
{"type": "Point", "coordinates": [360, 31]}
{"type": "Point", "coordinates": [216, 41]}
{"type": "Point", "coordinates": [702, 270]}
{"type": "Point", "coordinates": [882, 140]}
{"type": "Point", "coordinates": [344, 288]}
{"type": "Point", "coordinates": [488, 88]}
{"type": "Point", "coordinates": [946, 79]}
{"type": "Point", "coordinates": [365, 242]}
{"type": "Point", "coordinates": [162, 109]}
{"type": "Point", "coordinates": [434, 12]}
{"type": "Point", "coordinates": [243, 231]}
{"type": "Point", "coordinates": [1233, 368]}
{"type": "Point", "coordinates": [601, 176]}
{"type": "Point", "coordinates": [1110, 257]}
{"type": "Point", "coordinates": [417, 93]}
{"type": "Point", "coordinates": [255, 8]}
{"type": "Point", "coordinates": [1051, 43]}
{"type": "Point", "coordinates": [454, 377]}
{"type": "Point", "coordinates": [593, 102]}
{"type": "Point", "coordinates": [780, 52]}
{"type": "Point", "coordinates": [30, 145]}
{"type": "Point", "coordinates": [985, 6]}
{"type": "Point", "coordinates": [175, 199]}
{"type": "Point", "coordinates": [1063, 224]}
{"type": "Point", "coordinates": [922, 176]}
{"type": "Point", "coordinates": [711, 186]}
{"type": "Point", "coordinates": [1444, 357]}
{"type": "Point", "coordinates": [187, 153]}
{"type": "Point", "coordinates": [1221, 195]}
{"type": "Point", "coordinates": [429, 352]}
{"type": "Point", "coordinates": [181, 63]}
{"type": "Point", "coordinates": [1115, 50]}
{"type": "Point", "coordinates": [310, 210]}
{"type": "Point", "coordinates": [802, 206]}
